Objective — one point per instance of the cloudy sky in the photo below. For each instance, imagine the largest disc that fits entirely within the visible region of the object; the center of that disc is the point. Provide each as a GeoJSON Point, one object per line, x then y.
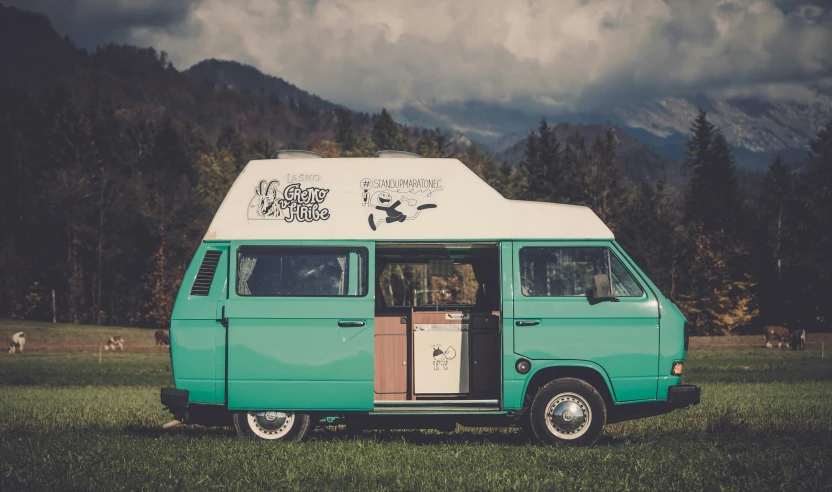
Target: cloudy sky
{"type": "Point", "coordinates": [571, 54]}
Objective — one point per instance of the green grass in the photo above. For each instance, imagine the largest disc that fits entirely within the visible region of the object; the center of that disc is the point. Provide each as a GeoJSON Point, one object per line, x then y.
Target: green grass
{"type": "Point", "coordinates": [83, 369]}
{"type": "Point", "coordinates": [757, 364]}
{"type": "Point", "coordinates": [765, 423]}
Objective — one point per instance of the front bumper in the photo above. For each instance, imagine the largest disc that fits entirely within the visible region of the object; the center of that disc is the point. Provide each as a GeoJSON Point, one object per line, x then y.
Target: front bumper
{"type": "Point", "coordinates": [683, 395]}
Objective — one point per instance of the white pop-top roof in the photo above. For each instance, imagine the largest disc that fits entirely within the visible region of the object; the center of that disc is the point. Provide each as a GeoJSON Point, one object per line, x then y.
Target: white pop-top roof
{"type": "Point", "coordinates": [387, 199]}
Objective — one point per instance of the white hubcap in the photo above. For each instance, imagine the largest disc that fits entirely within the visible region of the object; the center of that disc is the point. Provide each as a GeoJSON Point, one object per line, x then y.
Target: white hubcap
{"type": "Point", "coordinates": [568, 416]}
{"type": "Point", "coordinates": [271, 424]}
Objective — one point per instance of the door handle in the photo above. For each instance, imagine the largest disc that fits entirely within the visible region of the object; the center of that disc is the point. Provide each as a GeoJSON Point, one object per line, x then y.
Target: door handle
{"type": "Point", "coordinates": [351, 324]}
{"type": "Point", "coordinates": [527, 323]}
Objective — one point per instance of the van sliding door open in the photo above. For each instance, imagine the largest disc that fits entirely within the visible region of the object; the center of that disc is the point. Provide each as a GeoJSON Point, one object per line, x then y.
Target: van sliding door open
{"type": "Point", "coordinates": [300, 325]}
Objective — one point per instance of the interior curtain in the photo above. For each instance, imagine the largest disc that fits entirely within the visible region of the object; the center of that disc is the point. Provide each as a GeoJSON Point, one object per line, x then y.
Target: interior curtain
{"type": "Point", "coordinates": [245, 271]}
{"type": "Point", "coordinates": [381, 305]}
{"type": "Point", "coordinates": [481, 276]}
{"type": "Point", "coordinates": [342, 261]}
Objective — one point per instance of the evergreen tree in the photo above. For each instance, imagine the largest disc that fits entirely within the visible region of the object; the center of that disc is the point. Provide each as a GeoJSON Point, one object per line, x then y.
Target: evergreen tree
{"type": "Point", "coordinates": [386, 133]}
{"type": "Point", "coordinates": [485, 167]}
{"type": "Point", "coordinates": [426, 146]}
{"type": "Point", "coordinates": [649, 230]}
{"type": "Point", "coordinates": [441, 143]}
{"type": "Point", "coordinates": [70, 161]}
{"type": "Point", "coordinates": [725, 194]}
{"type": "Point", "coordinates": [698, 157]}
{"type": "Point", "coordinates": [774, 249]}
{"type": "Point", "coordinates": [717, 294]}
{"type": "Point", "coordinates": [344, 130]}
{"type": "Point", "coordinates": [22, 129]}
{"type": "Point", "coordinates": [549, 159]}
{"type": "Point", "coordinates": [165, 197]}
{"type": "Point", "coordinates": [111, 216]}
{"type": "Point", "coordinates": [602, 178]}
{"type": "Point", "coordinates": [231, 140]}
{"type": "Point", "coordinates": [576, 164]}
{"type": "Point", "coordinates": [260, 147]}
{"type": "Point", "coordinates": [364, 147]}
{"type": "Point", "coordinates": [532, 169]}
{"type": "Point", "coordinates": [215, 174]}
{"type": "Point", "coordinates": [815, 233]}
{"type": "Point", "coordinates": [713, 199]}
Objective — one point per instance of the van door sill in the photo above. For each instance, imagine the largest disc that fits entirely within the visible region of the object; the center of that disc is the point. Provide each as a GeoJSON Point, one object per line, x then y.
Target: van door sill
{"type": "Point", "coordinates": [442, 409]}
{"type": "Point", "coordinates": [430, 403]}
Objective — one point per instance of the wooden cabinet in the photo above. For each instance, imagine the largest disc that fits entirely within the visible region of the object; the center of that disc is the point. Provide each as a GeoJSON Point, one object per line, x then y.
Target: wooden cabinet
{"type": "Point", "coordinates": [391, 360]}
{"type": "Point", "coordinates": [485, 362]}
{"type": "Point", "coordinates": [393, 353]}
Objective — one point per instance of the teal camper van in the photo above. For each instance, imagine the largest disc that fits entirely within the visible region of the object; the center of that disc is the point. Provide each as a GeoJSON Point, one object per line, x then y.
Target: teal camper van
{"type": "Point", "coordinates": [401, 292]}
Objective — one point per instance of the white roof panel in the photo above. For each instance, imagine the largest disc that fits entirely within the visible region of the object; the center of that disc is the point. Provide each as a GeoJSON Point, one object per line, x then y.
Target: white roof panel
{"type": "Point", "coordinates": [386, 199]}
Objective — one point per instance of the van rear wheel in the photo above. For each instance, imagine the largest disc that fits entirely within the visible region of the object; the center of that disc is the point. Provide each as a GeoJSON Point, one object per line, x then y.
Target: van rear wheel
{"type": "Point", "coordinates": [273, 425]}
{"type": "Point", "coordinates": [569, 411]}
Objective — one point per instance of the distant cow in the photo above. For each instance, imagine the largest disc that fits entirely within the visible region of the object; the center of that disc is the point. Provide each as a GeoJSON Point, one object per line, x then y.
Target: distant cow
{"type": "Point", "coordinates": [17, 342]}
{"type": "Point", "coordinates": [780, 334]}
{"type": "Point", "coordinates": [798, 339]}
{"type": "Point", "coordinates": [162, 337]}
{"type": "Point", "coordinates": [113, 343]}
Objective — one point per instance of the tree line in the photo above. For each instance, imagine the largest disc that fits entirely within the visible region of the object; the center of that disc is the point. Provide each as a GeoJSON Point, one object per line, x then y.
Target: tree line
{"type": "Point", "coordinates": [731, 260]}
{"type": "Point", "coordinates": [105, 207]}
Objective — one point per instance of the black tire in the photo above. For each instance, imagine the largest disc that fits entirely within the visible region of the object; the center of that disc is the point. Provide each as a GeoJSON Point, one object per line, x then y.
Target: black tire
{"type": "Point", "coordinates": [573, 398]}
{"type": "Point", "coordinates": [296, 426]}
{"type": "Point", "coordinates": [526, 426]}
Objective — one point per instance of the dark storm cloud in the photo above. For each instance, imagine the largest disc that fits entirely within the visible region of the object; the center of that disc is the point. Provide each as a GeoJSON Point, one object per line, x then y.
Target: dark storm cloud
{"type": "Point", "coordinates": [565, 54]}
{"type": "Point", "coordinates": [93, 22]}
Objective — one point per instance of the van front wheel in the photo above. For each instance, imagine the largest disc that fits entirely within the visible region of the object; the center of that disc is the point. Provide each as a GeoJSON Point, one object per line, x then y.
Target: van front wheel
{"type": "Point", "coordinates": [568, 410]}
{"type": "Point", "coordinates": [273, 425]}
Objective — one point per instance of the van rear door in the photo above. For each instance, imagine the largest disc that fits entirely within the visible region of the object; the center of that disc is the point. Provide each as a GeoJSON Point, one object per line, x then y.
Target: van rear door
{"type": "Point", "coordinates": [300, 325]}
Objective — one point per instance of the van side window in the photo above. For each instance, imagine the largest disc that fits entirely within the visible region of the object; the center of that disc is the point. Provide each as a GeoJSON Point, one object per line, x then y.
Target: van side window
{"type": "Point", "coordinates": [568, 272]}
{"type": "Point", "coordinates": [269, 271]}
{"type": "Point", "coordinates": [415, 284]}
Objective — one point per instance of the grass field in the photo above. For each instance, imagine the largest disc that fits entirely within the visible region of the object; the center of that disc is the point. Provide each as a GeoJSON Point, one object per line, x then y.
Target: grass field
{"type": "Point", "coordinates": [68, 422]}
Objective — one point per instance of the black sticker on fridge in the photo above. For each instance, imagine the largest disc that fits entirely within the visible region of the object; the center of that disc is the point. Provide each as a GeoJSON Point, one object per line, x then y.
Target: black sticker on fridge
{"type": "Point", "coordinates": [441, 357]}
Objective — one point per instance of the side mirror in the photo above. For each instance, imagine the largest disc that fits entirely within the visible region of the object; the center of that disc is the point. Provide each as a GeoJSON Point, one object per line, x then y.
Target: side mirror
{"type": "Point", "coordinates": [601, 290]}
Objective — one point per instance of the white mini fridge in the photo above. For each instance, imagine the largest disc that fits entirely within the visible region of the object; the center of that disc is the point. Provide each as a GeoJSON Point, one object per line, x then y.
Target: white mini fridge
{"type": "Point", "coordinates": [440, 359]}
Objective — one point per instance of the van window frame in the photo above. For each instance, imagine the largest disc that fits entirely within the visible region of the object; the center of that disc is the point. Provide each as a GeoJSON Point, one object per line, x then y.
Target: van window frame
{"type": "Point", "coordinates": [581, 244]}
{"type": "Point", "coordinates": [347, 247]}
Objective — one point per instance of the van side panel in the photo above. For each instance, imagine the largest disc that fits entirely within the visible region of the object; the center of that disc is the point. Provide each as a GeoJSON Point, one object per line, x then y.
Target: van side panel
{"type": "Point", "coordinates": [513, 382]}
{"type": "Point", "coordinates": [294, 356]}
{"type": "Point", "coordinates": [301, 353]}
{"type": "Point", "coordinates": [197, 333]}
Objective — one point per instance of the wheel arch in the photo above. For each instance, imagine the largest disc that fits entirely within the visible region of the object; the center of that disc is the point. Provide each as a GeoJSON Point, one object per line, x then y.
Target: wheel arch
{"type": "Point", "coordinates": [583, 370]}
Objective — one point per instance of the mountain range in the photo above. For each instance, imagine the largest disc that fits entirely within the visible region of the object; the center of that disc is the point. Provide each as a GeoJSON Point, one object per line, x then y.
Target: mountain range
{"type": "Point", "coordinates": [638, 160]}
{"type": "Point", "coordinates": [757, 128]}
{"type": "Point", "coordinates": [222, 73]}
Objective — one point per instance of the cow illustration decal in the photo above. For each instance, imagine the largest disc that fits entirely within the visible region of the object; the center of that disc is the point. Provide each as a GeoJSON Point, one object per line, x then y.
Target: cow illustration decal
{"type": "Point", "coordinates": [441, 357]}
